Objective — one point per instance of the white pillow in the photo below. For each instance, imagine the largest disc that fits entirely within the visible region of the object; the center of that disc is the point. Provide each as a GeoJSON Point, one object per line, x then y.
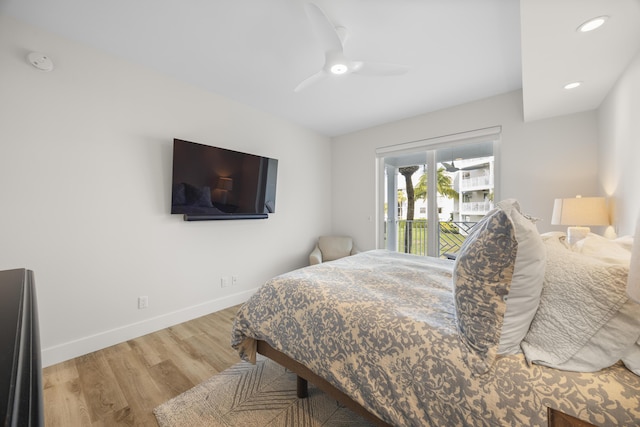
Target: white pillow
{"type": "Point", "coordinates": [585, 321]}
{"type": "Point", "coordinates": [526, 284]}
{"type": "Point", "coordinates": [632, 358]}
{"type": "Point", "coordinates": [497, 277]}
{"type": "Point", "coordinates": [612, 251]}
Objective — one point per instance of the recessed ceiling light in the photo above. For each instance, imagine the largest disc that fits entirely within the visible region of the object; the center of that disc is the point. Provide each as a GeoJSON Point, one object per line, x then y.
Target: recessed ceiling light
{"type": "Point", "coordinates": [339, 68]}
{"type": "Point", "coordinates": [592, 24]}
{"type": "Point", "coordinates": [572, 85]}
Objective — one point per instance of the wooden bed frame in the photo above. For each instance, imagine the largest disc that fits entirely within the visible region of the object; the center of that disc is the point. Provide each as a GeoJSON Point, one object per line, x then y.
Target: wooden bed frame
{"type": "Point", "coordinates": [304, 375]}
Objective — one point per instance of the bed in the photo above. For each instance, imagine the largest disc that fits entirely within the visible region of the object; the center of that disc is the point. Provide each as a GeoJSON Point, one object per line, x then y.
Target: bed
{"type": "Point", "coordinates": [417, 341]}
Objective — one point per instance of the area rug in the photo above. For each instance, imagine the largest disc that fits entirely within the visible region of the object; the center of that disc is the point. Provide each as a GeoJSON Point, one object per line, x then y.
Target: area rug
{"type": "Point", "coordinates": [257, 395]}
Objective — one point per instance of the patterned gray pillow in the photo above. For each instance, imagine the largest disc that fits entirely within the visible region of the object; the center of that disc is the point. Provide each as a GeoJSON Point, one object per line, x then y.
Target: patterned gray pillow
{"type": "Point", "coordinates": [482, 277]}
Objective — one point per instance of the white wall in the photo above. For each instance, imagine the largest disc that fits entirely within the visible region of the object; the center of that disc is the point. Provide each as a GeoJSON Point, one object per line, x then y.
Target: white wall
{"type": "Point", "coordinates": [619, 127]}
{"type": "Point", "coordinates": [538, 161]}
{"type": "Point", "coordinates": [85, 164]}
{"type": "Point", "coordinates": [85, 177]}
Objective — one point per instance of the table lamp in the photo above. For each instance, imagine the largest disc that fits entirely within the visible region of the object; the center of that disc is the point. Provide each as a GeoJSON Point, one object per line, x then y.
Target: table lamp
{"type": "Point", "coordinates": [579, 213]}
{"type": "Point", "coordinates": [221, 192]}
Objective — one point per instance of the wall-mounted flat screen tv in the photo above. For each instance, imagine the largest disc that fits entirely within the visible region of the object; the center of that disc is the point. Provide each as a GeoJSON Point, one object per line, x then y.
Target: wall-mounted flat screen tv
{"type": "Point", "coordinates": [212, 183]}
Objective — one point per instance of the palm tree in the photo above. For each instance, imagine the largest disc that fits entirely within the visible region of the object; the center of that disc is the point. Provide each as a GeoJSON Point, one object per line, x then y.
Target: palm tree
{"type": "Point", "coordinates": [444, 185]}
{"type": "Point", "coordinates": [407, 172]}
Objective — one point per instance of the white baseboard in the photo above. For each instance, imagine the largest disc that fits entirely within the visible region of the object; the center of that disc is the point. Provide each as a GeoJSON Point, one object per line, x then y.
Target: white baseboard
{"type": "Point", "coordinates": [69, 350]}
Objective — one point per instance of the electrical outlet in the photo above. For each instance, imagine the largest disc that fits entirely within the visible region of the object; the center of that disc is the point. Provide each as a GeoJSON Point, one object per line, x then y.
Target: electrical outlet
{"type": "Point", "coordinates": [143, 302]}
{"type": "Point", "coordinates": [224, 282]}
{"type": "Point", "coordinates": [234, 280]}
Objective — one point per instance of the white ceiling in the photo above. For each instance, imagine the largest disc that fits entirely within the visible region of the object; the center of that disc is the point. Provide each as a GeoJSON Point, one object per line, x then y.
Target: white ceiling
{"type": "Point", "coordinates": [554, 53]}
{"type": "Point", "coordinates": [257, 51]}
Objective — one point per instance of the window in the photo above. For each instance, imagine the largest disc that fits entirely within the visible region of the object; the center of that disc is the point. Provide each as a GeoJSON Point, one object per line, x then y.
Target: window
{"type": "Point", "coordinates": [446, 184]}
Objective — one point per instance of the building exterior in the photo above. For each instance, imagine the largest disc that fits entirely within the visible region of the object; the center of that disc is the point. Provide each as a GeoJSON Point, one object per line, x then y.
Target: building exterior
{"type": "Point", "coordinates": [474, 183]}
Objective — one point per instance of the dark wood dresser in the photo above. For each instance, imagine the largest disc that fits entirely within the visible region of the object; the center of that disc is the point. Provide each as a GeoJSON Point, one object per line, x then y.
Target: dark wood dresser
{"type": "Point", "coordinates": [20, 364]}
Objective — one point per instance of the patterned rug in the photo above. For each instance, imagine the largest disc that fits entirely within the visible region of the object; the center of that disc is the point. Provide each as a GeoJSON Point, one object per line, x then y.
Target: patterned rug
{"type": "Point", "coordinates": [253, 396]}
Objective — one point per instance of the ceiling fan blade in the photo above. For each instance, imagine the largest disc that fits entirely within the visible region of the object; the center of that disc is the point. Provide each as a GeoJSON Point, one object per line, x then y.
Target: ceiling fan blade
{"type": "Point", "coordinates": [450, 167]}
{"type": "Point", "coordinates": [310, 80]}
{"type": "Point", "coordinates": [333, 38]}
{"type": "Point", "coordinates": [327, 32]}
{"type": "Point", "coordinates": [379, 69]}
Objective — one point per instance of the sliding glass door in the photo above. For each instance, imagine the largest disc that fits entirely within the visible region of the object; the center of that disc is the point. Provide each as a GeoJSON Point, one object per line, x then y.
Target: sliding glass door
{"type": "Point", "coordinates": [434, 195]}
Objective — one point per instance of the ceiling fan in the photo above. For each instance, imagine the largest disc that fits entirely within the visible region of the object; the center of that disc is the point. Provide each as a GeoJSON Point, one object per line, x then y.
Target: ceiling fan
{"type": "Point", "coordinates": [451, 167]}
{"type": "Point", "coordinates": [336, 63]}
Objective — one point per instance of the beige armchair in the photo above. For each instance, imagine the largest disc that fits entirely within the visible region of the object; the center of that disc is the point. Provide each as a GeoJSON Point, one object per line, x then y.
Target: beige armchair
{"type": "Point", "coordinates": [330, 248]}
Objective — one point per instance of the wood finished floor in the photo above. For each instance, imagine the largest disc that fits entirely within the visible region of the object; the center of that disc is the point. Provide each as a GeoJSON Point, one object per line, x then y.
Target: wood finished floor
{"type": "Point", "coordinates": [120, 385]}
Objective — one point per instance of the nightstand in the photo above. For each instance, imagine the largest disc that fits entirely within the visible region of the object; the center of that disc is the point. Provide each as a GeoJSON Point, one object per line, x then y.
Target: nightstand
{"type": "Point", "coordinates": [560, 419]}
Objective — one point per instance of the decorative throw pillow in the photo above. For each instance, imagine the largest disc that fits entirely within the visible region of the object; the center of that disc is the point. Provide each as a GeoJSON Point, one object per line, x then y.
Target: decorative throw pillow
{"type": "Point", "coordinates": [526, 284]}
{"type": "Point", "coordinates": [585, 321]}
{"type": "Point", "coordinates": [497, 281]}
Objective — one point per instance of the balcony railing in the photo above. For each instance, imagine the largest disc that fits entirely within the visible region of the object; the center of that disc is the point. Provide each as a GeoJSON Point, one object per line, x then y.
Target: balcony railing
{"type": "Point", "coordinates": [476, 207]}
{"type": "Point", "coordinates": [478, 181]}
{"type": "Point", "coordinates": [451, 236]}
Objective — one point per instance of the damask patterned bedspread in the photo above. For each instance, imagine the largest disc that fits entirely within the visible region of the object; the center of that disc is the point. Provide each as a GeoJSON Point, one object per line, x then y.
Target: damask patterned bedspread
{"type": "Point", "coordinates": [380, 326]}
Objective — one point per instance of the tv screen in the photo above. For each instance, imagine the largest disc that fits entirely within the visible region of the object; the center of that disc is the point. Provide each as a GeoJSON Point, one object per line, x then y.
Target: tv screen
{"type": "Point", "coordinates": [217, 183]}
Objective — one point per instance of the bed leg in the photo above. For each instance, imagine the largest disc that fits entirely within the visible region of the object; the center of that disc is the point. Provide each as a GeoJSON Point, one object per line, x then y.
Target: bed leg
{"type": "Point", "coordinates": [301, 387]}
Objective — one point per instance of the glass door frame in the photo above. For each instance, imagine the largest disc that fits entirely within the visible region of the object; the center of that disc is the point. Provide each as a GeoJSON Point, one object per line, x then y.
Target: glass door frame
{"type": "Point", "coordinates": [429, 148]}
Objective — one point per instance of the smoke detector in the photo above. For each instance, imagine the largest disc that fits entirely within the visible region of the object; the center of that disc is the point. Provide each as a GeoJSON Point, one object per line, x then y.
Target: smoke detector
{"type": "Point", "coordinates": [40, 61]}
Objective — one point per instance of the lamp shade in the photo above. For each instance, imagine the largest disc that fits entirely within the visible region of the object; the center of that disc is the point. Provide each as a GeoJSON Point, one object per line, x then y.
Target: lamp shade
{"type": "Point", "coordinates": [581, 211]}
{"type": "Point", "coordinates": [225, 184]}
